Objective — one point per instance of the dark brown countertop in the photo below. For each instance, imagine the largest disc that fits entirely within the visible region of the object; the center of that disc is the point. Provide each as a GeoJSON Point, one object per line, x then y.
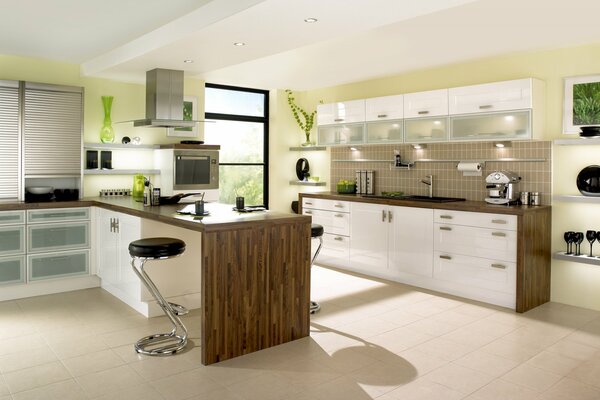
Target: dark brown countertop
{"type": "Point", "coordinates": [221, 217]}
{"type": "Point", "coordinates": [474, 206]}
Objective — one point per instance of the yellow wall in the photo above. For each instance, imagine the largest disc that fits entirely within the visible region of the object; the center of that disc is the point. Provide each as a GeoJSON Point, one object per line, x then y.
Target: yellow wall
{"type": "Point", "coordinates": [129, 103]}
{"type": "Point", "coordinates": [572, 283]}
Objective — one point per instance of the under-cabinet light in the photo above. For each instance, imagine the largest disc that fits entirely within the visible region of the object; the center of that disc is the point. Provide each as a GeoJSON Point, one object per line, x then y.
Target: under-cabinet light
{"type": "Point", "coordinates": [501, 145]}
{"type": "Point", "coordinates": [418, 146]}
{"type": "Point", "coordinates": [310, 20]}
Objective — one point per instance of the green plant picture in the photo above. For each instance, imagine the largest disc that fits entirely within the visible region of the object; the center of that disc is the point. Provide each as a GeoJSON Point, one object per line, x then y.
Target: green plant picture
{"type": "Point", "coordinates": [188, 109]}
{"type": "Point", "coordinates": [190, 113]}
{"type": "Point", "coordinates": [586, 103]}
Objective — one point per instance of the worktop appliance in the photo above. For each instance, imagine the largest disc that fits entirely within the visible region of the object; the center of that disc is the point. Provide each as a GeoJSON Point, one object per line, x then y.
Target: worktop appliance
{"type": "Point", "coordinates": [500, 186]}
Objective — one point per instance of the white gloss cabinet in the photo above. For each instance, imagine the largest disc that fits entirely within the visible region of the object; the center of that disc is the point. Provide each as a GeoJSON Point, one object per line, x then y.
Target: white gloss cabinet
{"type": "Point", "coordinates": [426, 104]}
{"type": "Point", "coordinates": [346, 112]}
{"type": "Point", "coordinates": [384, 108]}
{"type": "Point", "coordinates": [411, 241]}
{"type": "Point", "coordinates": [369, 239]}
{"type": "Point", "coordinates": [490, 97]}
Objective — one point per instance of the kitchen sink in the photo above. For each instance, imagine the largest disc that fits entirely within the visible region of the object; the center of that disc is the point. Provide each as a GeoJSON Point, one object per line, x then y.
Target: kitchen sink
{"type": "Point", "coordinates": [417, 198]}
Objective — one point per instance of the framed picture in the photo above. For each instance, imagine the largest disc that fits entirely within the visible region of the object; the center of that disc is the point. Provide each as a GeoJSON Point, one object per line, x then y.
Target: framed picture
{"type": "Point", "coordinates": [190, 112]}
{"type": "Point", "coordinates": [582, 103]}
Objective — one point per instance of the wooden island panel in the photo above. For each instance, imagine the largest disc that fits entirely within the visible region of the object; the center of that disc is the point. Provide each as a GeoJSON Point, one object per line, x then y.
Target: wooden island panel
{"type": "Point", "coordinates": [255, 288]}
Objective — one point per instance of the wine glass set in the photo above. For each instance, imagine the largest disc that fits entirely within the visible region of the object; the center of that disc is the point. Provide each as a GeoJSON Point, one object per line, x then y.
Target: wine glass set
{"type": "Point", "coordinates": [575, 238]}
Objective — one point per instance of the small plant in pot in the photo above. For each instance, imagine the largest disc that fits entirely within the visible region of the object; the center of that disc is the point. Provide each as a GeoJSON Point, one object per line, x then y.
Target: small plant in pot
{"type": "Point", "coordinates": [304, 119]}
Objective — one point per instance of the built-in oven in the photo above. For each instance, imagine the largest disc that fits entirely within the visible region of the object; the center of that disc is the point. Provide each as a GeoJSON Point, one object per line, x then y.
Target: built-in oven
{"type": "Point", "coordinates": [188, 171]}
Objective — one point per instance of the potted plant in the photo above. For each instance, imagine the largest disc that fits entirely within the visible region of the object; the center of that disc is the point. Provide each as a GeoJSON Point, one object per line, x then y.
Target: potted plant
{"type": "Point", "coordinates": [304, 119]}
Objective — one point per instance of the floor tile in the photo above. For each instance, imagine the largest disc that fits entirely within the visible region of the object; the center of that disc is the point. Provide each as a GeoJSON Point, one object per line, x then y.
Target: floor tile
{"type": "Point", "coordinates": [554, 362]}
{"type": "Point", "coordinates": [65, 390]}
{"type": "Point", "coordinates": [34, 377]}
{"type": "Point", "coordinates": [568, 389]}
{"type": "Point", "coordinates": [423, 389]}
{"type": "Point", "coordinates": [502, 390]}
{"type": "Point", "coordinates": [134, 392]}
{"type": "Point", "coordinates": [512, 350]}
{"type": "Point", "coordinates": [572, 349]}
{"type": "Point", "coordinates": [588, 371]}
{"type": "Point", "coordinates": [459, 378]}
{"type": "Point", "coordinates": [109, 381]}
{"type": "Point", "coordinates": [92, 362]}
{"type": "Point", "coordinates": [531, 377]}
{"type": "Point", "coordinates": [486, 363]}
{"type": "Point", "coordinates": [445, 348]}
{"type": "Point", "coordinates": [26, 359]}
{"type": "Point", "coordinates": [185, 385]}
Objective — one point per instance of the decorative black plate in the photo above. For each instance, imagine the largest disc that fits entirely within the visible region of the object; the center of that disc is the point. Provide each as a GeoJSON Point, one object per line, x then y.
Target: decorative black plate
{"type": "Point", "coordinates": [588, 181]}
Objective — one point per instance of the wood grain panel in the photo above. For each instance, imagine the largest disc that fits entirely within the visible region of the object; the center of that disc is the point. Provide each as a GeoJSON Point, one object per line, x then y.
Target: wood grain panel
{"type": "Point", "coordinates": [533, 259]}
{"type": "Point", "coordinates": [255, 288]}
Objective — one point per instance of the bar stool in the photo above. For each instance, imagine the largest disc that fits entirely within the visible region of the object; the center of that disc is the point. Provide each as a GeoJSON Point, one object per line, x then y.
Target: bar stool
{"type": "Point", "coordinates": [316, 232]}
{"type": "Point", "coordinates": [160, 248]}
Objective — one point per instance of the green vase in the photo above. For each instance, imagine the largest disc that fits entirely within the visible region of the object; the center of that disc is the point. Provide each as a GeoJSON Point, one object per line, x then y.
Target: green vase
{"type": "Point", "coordinates": [107, 133]}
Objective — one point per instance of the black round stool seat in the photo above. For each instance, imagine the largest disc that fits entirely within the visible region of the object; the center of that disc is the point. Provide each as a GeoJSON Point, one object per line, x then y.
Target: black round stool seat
{"type": "Point", "coordinates": [316, 230]}
{"type": "Point", "coordinates": [157, 247]}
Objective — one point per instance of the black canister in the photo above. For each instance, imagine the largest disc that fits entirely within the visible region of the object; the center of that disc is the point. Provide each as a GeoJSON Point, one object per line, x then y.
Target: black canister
{"type": "Point", "coordinates": [239, 203]}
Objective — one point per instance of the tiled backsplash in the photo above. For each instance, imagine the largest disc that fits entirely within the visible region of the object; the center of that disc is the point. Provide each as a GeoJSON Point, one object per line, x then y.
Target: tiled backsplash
{"type": "Point", "coordinates": [448, 181]}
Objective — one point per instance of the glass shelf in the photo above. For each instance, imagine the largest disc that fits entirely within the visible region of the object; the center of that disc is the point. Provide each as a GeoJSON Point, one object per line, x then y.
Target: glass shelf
{"type": "Point", "coordinates": [121, 171]}
{"type": "Point", "coordinates": [583, 259]}
{"type": "Point", "coordinates": [120, 146]}
{"type": "Point", "coordinates": [577, 141]}
{"type": "Point", "coordinates": [577, 198]}
{"type": "Point", "coordinates": [308, 148]}
{"type": "Point", "coordinates": [307, 183]}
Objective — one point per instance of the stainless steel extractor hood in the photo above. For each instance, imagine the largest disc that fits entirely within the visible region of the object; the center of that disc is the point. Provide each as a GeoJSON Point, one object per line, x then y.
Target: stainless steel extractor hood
{"type": "Point", "coordinates": [164, 100]}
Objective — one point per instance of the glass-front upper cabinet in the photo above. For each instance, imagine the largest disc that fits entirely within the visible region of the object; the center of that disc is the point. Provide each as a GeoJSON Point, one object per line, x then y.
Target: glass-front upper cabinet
{"type": "Point", "coordinates": [384, 132]}
{"type": "Point", "coordinates": [422, 130]}
{"type": "Point", "coordinates": [341, 134]}
{"type": "Point", "coordinates": [498, 126]}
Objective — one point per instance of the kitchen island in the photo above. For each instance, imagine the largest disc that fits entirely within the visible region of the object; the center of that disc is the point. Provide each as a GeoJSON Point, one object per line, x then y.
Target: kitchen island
{"type": "Point", "coordinates": [255, 272]}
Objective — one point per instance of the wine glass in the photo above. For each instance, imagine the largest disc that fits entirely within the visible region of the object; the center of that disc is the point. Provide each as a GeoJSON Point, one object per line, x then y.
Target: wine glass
{"type": "Point", "coordinates": [569, 238]}
{"type": "Point", "coordinates": [591, 237]}
{"type": "Point", "coordinates": [578, 239]}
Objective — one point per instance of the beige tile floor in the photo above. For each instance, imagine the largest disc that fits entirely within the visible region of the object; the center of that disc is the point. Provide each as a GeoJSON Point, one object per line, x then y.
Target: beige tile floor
{"type": "Point", "coordinates": [372, 339]}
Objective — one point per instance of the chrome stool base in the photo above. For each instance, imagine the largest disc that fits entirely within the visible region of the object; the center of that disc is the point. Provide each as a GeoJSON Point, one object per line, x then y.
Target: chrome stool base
{"type": "Point", "coordinates": [170, 344]}
{"type": "Point", "coordinates": [179, 309]}
{"type": "Point", "coordinates": [314, 307]}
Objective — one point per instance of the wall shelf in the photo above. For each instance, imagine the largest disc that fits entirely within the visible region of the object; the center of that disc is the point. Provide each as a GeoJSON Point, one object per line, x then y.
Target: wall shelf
{"type": "Point", "coordinates": [307, 183]}
{"type": "Point", "coordinates": [578, 141]}
{"type": "Point", "coordinates": [431, 160]}
{"type": "Point", "coordinates": [308, 148]}
{"type": "Point", "coordinates": [583, 259]}
{"type": "Point", "coordinates": [119, 146]}
{"type": "Point", "coordinates": [121, 171]}
{"type": "Point", "coordinates": [577, 198]}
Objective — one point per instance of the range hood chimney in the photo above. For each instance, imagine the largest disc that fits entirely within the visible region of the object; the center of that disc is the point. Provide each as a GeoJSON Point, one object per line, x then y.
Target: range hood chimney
{"type": "Point", "coordinates": [164, 100]}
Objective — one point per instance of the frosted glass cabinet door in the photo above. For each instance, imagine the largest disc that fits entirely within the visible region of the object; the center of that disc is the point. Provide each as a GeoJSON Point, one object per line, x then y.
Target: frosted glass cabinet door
{"type": "Point", "coordinates": [55, 265]}
{"type": "Point", "coordinates": [502, 126]}
{"type": "Point", "coordinates": [12, 240]}
{"type": "Point", "coordinates": [12, 217]}
{"type": "Point", "coordinates": [384, 132]}
{"type": "Point", "coordinates": [342, 134]}
{"type": "Point", "coordinates": [12, 270]}
{"type": "Point", "coordinates": [58, 214]}
{"type": "Point", "coordinates": [52, 237]}
{"type": "Point", "coordinates": [424, 130]}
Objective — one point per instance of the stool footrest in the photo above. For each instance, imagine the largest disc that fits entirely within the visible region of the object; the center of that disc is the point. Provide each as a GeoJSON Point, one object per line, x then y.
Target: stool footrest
{"type": "Point", "coordinates": [179, 309]}
{"type": "Point", "coordinates": [314, 307]}
{"type": "Point", "coordinates": [169, 344]}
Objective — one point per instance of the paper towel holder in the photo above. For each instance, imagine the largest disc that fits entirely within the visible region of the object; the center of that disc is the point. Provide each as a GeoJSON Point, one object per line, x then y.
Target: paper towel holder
{"type": "Point", "coordinates": [473, 168]}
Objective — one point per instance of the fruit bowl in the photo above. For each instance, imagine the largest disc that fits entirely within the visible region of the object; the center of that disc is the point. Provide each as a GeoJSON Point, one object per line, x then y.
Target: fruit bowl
{"type": "Point", "coordinates": [343, 188]}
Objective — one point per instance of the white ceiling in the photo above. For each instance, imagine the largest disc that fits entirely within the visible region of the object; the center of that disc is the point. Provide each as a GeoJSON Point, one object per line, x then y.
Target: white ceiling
{"type": "Point", "coordinates": [353, 39]}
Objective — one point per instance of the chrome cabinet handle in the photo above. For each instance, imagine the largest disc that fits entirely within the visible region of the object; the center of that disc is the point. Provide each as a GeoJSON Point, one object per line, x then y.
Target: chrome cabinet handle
{"type": "Point", "coordinates": [338, 119]}
{"type": "Point", "coordinates": [339, 239]}
{"type": "Point", "coordinates": [308, 204]}
{"type": "Point", "coordinates": [485, 107]}
{"type": "Point", "coordinates": [499, 266]}
{"type": "Point", "coordinates": [338, 205]}
{"type": "Point", "coordinates": [446, 257]}
{"type": "Point", "coordinates": [423, 112]}
{"type": "Point", "coordinates": [445, 228]}
{"type": "Point", "coordinates": [338, 215]}
{"type": "Point", "coordinates": [389, 216]}
{"type": "Point", "coordinates": [500, 234]}
{"type": "Point", "coordinates": [445, 216]}
{"type": "Point", "coordinates": [499, 221]}
{"type": "Point", "coordinates": [381, 115]}
{"type": "Point", "coordinates": [382, 215]}
{"type": "Point", "coordinates": [307, 212]}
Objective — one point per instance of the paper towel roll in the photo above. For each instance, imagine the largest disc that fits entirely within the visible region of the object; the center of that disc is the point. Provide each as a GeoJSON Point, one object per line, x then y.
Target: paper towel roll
{"type": "Point", "coordinates": [470, 168]}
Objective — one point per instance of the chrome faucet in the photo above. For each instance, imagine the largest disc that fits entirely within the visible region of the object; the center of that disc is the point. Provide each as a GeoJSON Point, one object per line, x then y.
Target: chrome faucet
{"type": "Point", "coordinates": [429, 183]}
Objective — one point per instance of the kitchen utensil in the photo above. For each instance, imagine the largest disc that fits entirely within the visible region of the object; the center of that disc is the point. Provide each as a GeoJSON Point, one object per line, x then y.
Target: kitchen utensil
{"type": "Point", "coordinates": [535, 199]}
{"type": "Point", "coordinates": [91, 159]}
{"type": "Point", "coordinates": [590, 130]}
{"type": "Point", "coordinates": [239, 202]}
{"type": "Point", "coordinates": [591, 237]}
{"type": "Point", "coordinates": [199, 207]}
{"type": "Point", "coordinates": [579, 238]}
{"type": "Point", "coordinates": [165, 200]}
{"type": "Point", "coordinates": [588, 180]}
{"type": "Point", "coordinates": [569, 238]}
{"type": "Point", "coordinates": [524, 198]}
{"type": "Point", "coordinates": [39, 189]}
{"type": "Point", "coordinates": [500, 187]}
{"type": "Point", "coordinates": [125, 140]}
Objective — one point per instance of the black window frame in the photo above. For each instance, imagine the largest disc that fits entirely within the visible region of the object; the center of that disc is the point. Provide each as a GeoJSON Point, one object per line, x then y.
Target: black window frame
{"type": "Point", "coordinates": [248, 118]}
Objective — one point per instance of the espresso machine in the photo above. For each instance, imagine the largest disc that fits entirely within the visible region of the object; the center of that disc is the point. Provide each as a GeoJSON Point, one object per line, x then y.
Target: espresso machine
{"type": "Point", "coordinates": [500, 187]}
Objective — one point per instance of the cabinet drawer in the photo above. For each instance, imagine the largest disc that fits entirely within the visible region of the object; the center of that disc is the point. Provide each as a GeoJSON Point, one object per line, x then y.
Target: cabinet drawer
{"type": "Point", "coordinates": [499, 276]}
{"type": "Point", "coordinates": [384, 108]}
{"type": "Point", "coordinates": [482, 220]}
{"type": "Point", "coordinates": [335, 250]}
{"type": "Point", "coordinates": [52, 237]}
{"type": "Point", "coordinates": [55, 265]}
{"type": "Point", "coordinates": [497, 96]}
{"type": "Point", "coordinates": [12, 270]}
{"type": "Point", "coordinates": [426, 104]}
{"type": "Point", "coordinates": [324, 204]}
{"type": "Point", "coordinates": [58, 214]}
{"type": "Point", "coordinates": [12, 240]}
{"type": "Point", "coordinates": [333, 222]}
{"type": "Point", "coordinates": [12, 217]}
{"type": "Point", "coordinates": [479, 242]}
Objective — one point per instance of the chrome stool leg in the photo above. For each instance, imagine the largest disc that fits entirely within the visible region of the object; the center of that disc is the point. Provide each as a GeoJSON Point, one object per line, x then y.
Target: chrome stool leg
{"type": "Point", "coordinates": [314, 306]}
{"type": "Point", "coordinates": [161, 344]}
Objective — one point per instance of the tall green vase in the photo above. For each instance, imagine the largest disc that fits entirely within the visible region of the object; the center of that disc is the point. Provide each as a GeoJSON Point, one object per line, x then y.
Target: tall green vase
{"type": "Point", "coordinates": [107, 133]}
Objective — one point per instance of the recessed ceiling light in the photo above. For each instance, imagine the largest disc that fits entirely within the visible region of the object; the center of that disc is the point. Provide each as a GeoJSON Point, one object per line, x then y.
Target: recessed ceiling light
{"type": "Point", "coordinates": [239, 44]}
{"type": "Point", "coordinates": [188, 61]}
{"type": "Point", "coordinates": [310, 20]}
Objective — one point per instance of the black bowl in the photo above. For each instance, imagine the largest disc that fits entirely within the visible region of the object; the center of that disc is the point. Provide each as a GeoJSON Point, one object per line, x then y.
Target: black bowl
{"type": "Point", "coordinates": [588, 181]}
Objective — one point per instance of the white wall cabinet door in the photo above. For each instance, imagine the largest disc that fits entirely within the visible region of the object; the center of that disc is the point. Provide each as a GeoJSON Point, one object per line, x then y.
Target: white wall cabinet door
{"type": "Point", "coordinates": [345, 112]}
{"type": "Point", "coordinates": [489, 97]}
{"type": "Point", "coordinates": [384, 108]}
{"type": "Point", "coordinates": [411, 240]}
{"type": "Point", "coordinates": [426, 104]}
{"type": "Point", "coordinates": [369, 239]}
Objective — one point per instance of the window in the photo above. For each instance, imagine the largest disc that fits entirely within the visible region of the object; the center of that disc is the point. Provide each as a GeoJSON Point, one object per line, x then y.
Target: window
{"type": "Point", "coordinates": [242, 130]}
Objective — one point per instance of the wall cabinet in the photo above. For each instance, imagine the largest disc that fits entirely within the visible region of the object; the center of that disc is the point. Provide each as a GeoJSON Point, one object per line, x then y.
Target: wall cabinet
{"type": "Point", "coordinates": [490, 97]}
{"type": "Point", "coordinates": [385, 131]}
{"type": "Point", "coordinates": [425, 130]}
{"type": "Point", "coordinates": [12, 247]}
{"type": "Point", "coordinates": [341, 134]}
{"type": "Point", "coordinates": [426, 104]}
{"type": "Point", "coordinates": [9, 140]}
{"type": "Point", "coordinates": [346, 112]}
{"type": "Point", "coordinates": [384, 108]}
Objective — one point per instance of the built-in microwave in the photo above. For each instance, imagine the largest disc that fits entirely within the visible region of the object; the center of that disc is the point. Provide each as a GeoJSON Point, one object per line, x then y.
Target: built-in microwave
{"type": "Point", "coordinates": [188, 170]}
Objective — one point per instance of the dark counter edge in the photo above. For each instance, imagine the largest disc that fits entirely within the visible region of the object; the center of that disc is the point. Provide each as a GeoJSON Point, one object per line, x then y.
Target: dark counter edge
{"type": "Point", "coordinates": [469, 205]}
{"type": "Point", "coordinates": [165, 214]}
